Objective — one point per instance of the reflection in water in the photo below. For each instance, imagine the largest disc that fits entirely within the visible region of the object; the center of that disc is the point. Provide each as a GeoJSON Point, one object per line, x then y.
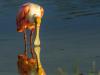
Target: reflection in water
{"type": "Point", "coordinates": [39, 68]}
{"type": "Point", "coordinates": [67, 26]}
{"type": "Point", "coordinates": [25, 64]}
{"type": "Point", "coordinates": [30, 66]}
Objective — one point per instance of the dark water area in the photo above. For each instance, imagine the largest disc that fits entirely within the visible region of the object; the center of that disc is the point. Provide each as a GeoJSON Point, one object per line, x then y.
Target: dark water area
{"type": "Point", "coordinates": [70, 34]}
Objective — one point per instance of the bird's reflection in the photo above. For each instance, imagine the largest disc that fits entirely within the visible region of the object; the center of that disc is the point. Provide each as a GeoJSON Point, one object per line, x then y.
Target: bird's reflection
{"type": "Point", "coordinates": [30, 66]}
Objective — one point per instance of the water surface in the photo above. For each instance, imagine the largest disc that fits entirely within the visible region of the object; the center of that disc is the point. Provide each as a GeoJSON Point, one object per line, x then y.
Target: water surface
{"type": "Point", "coordinates": [70, 33]}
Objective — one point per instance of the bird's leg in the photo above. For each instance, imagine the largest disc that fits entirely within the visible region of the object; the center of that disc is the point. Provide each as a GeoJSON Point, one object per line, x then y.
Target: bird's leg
{"type": "Point", "coordinates": [31, 49]}
{"type": "Point", "coordinates": [25, 42]}
{"type": "Point", "coordinates": [37, 38]}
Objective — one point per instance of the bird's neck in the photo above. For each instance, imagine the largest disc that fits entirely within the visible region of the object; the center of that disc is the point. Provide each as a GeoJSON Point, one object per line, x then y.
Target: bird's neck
{"type": "Point", "coordinates": [37, 38]}
{"type": "Point", "coordinates": [37, 31]}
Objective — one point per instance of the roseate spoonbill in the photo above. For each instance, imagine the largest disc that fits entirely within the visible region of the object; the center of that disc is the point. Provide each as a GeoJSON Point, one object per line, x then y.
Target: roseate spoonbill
{"type": "Point", "coordinates": [29, 17]}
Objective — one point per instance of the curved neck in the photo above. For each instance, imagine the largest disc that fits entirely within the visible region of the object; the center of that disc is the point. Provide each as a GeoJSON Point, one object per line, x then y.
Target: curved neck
{"type": "Point", "coordinates": [37, 38]}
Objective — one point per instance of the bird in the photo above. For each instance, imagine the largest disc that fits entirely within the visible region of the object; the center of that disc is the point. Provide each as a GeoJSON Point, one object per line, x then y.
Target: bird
{"type": "Point", "coordinates": [29, 18]}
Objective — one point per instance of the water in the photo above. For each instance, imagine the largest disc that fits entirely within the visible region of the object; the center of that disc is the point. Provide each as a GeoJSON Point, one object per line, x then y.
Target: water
{"type": "Point", "coordinates": [70, 35]}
